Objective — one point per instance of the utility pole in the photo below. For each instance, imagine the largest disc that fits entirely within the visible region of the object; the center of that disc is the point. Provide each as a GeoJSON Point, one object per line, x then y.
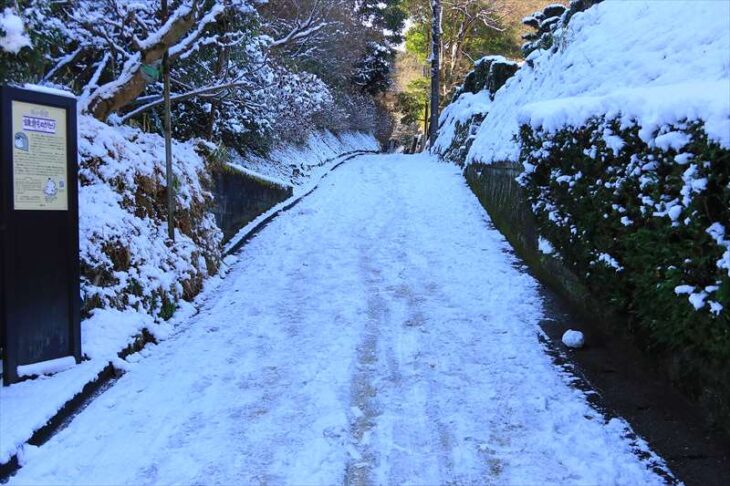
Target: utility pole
{"type": "Point", "coordinates": [425, 127]}
{"type": "Point", "coordinates": [168, 136]}
{"type": "Point", "coordinates": [435, 67]}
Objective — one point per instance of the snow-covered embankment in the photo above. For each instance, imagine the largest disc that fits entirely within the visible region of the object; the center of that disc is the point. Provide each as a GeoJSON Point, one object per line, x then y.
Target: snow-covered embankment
{"type": "Point", "coordinates": [618, 131]}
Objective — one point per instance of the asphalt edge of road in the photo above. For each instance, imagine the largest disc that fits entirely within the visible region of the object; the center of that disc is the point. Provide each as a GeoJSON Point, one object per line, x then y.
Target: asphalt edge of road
{"type": "Point", "coordinates": [109, 374]}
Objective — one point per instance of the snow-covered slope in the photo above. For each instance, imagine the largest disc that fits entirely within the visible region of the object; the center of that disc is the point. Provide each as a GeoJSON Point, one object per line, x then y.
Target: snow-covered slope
{"type": "Point", "coordinates": [652, 62]}
{"type": "Point", "coordinates": [126, 259]}
{"type": "Point", "coordinates": [457, 115]}
{"type": "Point", "coordinates": [295, 164]}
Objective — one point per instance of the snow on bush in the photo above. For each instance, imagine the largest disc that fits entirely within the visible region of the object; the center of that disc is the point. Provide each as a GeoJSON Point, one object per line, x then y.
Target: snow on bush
{"type": "Point", "coordinates": [12, 32]}
{"type": "Point", "coordinates": [460, 120]}
{"type": "Point", "coordinates": [649, 79]}
{"type": "Point", "coordinates": [544, 246]}
{"type": "Point", "coordinates": [650, 63]}
{"type": "Point", "coordinates": [458, 124]}
{"type": "Point", "coordinates": [644, 226]}
{"type": "Point", "coordinates": [621, 122]}
{"type": "Point", "coordinates": [126, 259]}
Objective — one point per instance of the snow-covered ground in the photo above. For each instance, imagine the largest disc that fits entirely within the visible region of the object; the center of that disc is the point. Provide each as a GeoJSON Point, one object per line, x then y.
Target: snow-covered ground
{"type": "Point", "coordinates": [126, 153]}
{"type": "Point", "coordinates": [381, 332]}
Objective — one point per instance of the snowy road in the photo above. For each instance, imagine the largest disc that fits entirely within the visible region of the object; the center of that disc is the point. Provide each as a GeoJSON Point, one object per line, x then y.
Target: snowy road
{"type": "Point", "coordinates": [378, 332]}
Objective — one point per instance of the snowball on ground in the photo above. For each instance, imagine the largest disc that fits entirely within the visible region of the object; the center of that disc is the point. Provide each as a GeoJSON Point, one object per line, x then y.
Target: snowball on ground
{"type": "Point", "coordinates": [573, 339]}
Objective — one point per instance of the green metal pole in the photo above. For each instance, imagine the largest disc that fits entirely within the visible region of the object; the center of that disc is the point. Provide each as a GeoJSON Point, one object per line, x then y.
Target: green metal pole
{"type": "Point", "coordinates": [168, 138]}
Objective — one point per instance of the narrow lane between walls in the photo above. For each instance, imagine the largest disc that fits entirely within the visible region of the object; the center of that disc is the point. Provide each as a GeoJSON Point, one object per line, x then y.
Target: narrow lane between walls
{"type": "Point", "coordinates": [379, 332]}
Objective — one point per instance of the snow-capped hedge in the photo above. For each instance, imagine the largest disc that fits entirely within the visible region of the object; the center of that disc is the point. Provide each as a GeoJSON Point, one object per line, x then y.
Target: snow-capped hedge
{"type": "Point", "coordinates": [460, 119]}
{"type": "Point", "coordinates": [655, 62]}
{"type": "Point", "coordinates": [644, 223]}
{"type": "Point", "coordinates": [126, 260]}
{"type": "Point", "coordinates": [621, 121]}
{"type": "Point", "coordinates": [645, 227]}
{"type": "Point", "coordinates": [458, 124]}
{"type": "Point", "coordinates": [658, 71]}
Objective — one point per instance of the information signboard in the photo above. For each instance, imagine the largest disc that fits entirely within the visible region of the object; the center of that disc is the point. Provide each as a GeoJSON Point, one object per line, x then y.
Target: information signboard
{"type": "Point", "coordinates": [39, 272]}
{"type": "Point", "coordinates": [39, 157]}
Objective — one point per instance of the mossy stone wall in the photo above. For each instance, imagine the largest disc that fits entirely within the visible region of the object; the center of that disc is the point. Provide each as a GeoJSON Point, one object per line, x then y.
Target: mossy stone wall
{"type": "Point", "coordinates": [496, 187]}
{"type": "Point", "coordinates": [240, 198]}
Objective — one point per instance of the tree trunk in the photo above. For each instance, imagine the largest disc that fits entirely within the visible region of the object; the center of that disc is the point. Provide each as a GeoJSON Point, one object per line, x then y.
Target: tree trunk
{"type": "Point", "coordinates": [131, 83]}
{"type": "Point", "coordinates": [221, 69]}
{"type": "Point", "coordinates": [456, 50]}
{"type": "Point", "coordinates": [435, 67]}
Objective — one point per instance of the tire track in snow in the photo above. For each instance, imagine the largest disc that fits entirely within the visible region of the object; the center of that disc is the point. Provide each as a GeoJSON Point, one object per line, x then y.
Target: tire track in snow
{"type": "Point", "coordinates": [364, 389]}
{"type": "Point", "coordinates": [364, 406]}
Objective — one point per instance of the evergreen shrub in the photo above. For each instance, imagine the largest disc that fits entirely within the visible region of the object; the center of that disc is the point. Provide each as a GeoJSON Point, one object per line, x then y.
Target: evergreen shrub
{"type": "Point", "coordinates": [647, 227]}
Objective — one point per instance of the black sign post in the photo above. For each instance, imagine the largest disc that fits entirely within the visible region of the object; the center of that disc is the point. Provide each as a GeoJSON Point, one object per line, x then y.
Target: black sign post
{"type": "Point", "coordinates": [39, 230]}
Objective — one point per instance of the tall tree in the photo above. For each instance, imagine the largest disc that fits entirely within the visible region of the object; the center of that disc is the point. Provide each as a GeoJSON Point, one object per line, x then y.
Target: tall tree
{"type": "Point", "coordinates": [243, 72]}
{"type": "Point", "coordinates": [470, 29]}
{"type": "Point", "coordinates": [435, 67]}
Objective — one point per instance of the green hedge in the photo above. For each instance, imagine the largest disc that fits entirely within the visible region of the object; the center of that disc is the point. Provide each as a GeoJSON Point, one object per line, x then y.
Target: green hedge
{"type": "Point", "coordinates": [642, 226]}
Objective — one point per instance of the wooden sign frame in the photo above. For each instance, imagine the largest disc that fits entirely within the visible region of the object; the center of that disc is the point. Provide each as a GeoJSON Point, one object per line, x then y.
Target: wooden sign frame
{"type": "Point", "coordinates": [39, 229]}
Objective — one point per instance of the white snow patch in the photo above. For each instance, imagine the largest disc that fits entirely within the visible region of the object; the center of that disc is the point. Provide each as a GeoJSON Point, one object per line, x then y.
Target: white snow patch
{"type": "Point", "coordinates": [683, 289]}
{"type": "Point", "coordinates": [610, 261]}
{"type": "Point", "coordinates": [49, 90]}
{"type": "Point", "coordinates": [48, 367]}
{"type": "Point", "coordinates": [697, 300]}
{"type": "Point", "coordinates": [544, 246]}
{"type": "Point", "coordinates": [459, 113]}
{"type": "Point", "coordinates": [13, 36]}
{"type": "Point", "coordinates": [674, 212]}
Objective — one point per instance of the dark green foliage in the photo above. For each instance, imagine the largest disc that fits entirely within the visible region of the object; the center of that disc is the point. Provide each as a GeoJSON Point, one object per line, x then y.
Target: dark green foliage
{"type": "Point", "coordinates": [490, 72]}
{"type": "Point", "coordinates": [481, 71]}
{"type": "Point", "coordinates": [470, 83]}
{"type": "Point", "coordinates": [499, 73]}
{"type": "Point", "coordinates": [580, 191]}
{"type": "Point", "coordinates": [167, 309]}
{"type": "Point", "coordinates": [373, 71]}
{"type": "Point", "coordinates": [387, 15]}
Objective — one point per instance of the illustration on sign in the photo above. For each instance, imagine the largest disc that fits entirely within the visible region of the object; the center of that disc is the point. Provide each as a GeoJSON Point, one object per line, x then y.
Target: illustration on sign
{"type": "Point", "coordinates": [39, 157]}
{"type": "Point", "coordinates": [21, 141]}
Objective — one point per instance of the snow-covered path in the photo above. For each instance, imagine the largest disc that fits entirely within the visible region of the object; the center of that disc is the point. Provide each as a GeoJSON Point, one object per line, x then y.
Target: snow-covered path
{"type": "Point", "coordinates": [378, 332]}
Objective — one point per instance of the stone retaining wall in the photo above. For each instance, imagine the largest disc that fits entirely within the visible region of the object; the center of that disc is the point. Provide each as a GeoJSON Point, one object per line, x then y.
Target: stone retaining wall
{"type": "Point", "coordinates": [240, 198]}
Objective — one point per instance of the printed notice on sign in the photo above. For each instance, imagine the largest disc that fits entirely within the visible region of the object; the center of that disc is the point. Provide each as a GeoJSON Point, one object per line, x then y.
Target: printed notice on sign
{"type": "Point", "coordinates": [39, 157]}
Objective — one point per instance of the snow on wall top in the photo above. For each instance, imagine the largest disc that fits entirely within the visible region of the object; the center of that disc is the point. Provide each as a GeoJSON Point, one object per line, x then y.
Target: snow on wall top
{"type": "Point", "coordinates": [458, 113]}
{"type": "Point", "coordinates": [291, 165]}
{"type": "Point", "coordinates": [655, 62]}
